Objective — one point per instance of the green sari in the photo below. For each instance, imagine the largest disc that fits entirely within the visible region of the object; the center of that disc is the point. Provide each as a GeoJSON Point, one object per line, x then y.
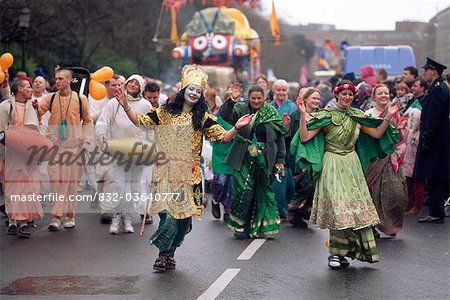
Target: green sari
{"type": "Point", "coordinates": [342, 201]}
{"type": "Point", "coordinates": [254, 208]}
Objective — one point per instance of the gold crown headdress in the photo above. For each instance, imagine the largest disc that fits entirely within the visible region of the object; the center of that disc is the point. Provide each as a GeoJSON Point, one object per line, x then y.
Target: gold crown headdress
{"type": "Point", "coordinates": [193, 74]}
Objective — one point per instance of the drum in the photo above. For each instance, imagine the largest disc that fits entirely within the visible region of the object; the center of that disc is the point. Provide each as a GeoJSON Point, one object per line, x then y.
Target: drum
{"type": "Point", "coordinates": [134, 150]}
{"type": "Point", "coordinates": [27, 143]}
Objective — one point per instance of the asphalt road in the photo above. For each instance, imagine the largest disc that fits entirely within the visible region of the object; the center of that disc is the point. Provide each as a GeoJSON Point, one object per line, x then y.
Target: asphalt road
{"type": "Point", "coordinates": [87, 262]}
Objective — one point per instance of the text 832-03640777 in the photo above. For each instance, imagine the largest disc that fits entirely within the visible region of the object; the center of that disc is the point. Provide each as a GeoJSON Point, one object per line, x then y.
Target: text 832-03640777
{"type": "Point", "coordinates": [139, 197]}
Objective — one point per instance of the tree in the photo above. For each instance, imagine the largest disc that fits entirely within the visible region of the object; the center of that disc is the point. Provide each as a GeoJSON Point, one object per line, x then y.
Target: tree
{"type": "Point", "coordinates": [306, 47]}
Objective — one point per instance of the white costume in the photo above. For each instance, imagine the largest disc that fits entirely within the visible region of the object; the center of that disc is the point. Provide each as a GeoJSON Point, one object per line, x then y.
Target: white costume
{"type": "Point", "coordinates": [120, 184]}
{"type": "Point", "coordinates": [96, 107]}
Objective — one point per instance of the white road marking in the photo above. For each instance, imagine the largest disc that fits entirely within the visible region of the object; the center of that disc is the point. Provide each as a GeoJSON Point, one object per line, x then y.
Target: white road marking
{"type": "Point", "coordinates": [219, 285]}
{"type": "Point", "coordinates": [251, 249]}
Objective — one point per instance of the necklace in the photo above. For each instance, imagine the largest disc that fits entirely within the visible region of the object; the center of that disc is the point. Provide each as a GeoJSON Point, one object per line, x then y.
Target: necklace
{"type": "Point", "coordinates": [67, 95]}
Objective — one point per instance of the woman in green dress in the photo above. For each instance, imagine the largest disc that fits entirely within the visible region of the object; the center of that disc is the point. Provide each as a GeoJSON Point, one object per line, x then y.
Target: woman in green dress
{"type": "Point", "coordinates": [339, 142]}
{"type": "Point", "coordinates": [305, 179]}
{"type": "Point", "coordinates": [258, 150]}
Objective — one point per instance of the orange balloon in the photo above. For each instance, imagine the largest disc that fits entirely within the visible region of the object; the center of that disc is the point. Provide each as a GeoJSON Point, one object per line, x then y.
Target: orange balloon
{"type": "Point", "coordinates": [102, 74]}
{"type": "Point", "coordinates": [6, 61]}
{"type": "Point", "coordinates": [2, 76]}
{"type": "Point", "coordinates": [97, 90]}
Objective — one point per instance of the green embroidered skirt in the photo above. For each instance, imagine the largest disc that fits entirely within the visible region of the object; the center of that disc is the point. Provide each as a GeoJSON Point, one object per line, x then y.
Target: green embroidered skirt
{"type": "Point", "coordinates": [254, 208]}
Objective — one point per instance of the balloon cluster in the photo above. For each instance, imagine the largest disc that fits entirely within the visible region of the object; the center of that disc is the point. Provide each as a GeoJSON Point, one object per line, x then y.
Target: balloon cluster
{"type": "Point", "coordinates": [6, 61]}
{"type": "Point", "coordinates": [96, 89]}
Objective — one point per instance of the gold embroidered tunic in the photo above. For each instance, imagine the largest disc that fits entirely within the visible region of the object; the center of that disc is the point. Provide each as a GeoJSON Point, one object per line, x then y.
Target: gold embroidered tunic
{"type": "Point", "coordinates": [177, 181]}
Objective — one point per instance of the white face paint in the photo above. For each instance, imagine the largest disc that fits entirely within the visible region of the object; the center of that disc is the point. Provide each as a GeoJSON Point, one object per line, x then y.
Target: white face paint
{"type": "Point", "coordinates": [192, 94]}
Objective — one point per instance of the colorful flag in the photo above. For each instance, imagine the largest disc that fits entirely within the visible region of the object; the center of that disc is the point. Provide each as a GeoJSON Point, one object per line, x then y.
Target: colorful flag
{"type": "Point", "coordinates": [332, 47]}
{"type": "Point", "coordinates": [274, 25]}
{"type": "Point", "coordinates": [173, 31]}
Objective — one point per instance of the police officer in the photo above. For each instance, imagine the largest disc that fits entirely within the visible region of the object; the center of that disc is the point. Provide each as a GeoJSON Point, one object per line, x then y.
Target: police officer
{"type": "Point", "coordinates": [432, 160]}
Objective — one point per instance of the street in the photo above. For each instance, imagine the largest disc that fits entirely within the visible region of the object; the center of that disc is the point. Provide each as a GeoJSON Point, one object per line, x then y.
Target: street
{"type": "Point", "coordinates": [88, 262]}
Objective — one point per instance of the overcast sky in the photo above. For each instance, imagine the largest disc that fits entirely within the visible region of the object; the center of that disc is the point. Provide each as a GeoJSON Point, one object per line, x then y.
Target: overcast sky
{"type": "Point", "coordinates": [356, 14]}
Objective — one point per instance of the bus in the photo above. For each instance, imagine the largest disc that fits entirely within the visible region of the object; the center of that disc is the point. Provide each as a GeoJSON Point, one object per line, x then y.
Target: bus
{"type": "Point", "coordinates": [391, 58]}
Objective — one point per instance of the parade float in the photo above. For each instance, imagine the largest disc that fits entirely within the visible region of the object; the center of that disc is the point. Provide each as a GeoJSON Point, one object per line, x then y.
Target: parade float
{"type": "Point", "coordinates": [221, 40]}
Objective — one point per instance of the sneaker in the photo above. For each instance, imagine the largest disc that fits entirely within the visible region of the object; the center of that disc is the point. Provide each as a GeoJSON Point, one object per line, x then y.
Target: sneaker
{"type": "Point", "coordinates": [69, 223]}
{"type": "Point", "coordinates": [215, 208]}
{"type": "Point", "coordinates": [54, 225]}
{"type": "Point", "coordinates": [115, 224]}
{"type": "Point", "coordinates": [105, 218]}
{"type": "Point", "coordinates": [170, 263]}
{"type": "Point", "coordinates": [12, 229]}
{"type": "Point", "coordinates": [24, 232]}
{"type": "Point", "coordinates": [128, 228]}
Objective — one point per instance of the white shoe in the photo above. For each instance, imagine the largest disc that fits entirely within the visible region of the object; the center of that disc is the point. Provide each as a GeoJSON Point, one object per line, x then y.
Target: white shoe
{"type": "Point", "coordinates": [69, 223]}
{"type": "Point", "coordinates": [115, 224]}
{"type": "Point", "coordinates": [54, 225]}
{"type": "Point", "coordinates": [127, 224]}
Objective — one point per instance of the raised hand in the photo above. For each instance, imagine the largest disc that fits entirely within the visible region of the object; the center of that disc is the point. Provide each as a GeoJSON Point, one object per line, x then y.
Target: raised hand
{"type": "Point", "coordinates": [243, 121]}
{"type": "Point", "coordinates": [301, 105]}
{"type": "Point", "coordinates": [393, 109]}
{"type": "Point", "coordinates": [121, 97]}
{"type": "Point", "coordinates": [286, 120]}
{"type": "Point", "coordinates": [236, 90]}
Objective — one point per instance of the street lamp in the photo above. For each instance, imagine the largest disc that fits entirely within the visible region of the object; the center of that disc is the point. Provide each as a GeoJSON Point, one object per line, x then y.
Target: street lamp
{"type": "Point", "coordinates": [159, 50]}
{"type": "Point", "coordinates": [24, 23]}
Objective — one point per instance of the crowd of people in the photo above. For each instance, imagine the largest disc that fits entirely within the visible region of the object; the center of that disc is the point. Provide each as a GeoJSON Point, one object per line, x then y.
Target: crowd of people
{"type": "Point", "coordinates": [352, 155]}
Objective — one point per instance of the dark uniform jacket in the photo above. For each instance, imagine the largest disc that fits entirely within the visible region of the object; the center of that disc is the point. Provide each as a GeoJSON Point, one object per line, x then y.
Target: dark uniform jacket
{"type": "Point", "coordinates": [432, 160]}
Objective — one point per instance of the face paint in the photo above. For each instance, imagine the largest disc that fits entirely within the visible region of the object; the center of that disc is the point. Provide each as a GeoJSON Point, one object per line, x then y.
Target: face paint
{"type": "Point", "coordinates": [192, 94]}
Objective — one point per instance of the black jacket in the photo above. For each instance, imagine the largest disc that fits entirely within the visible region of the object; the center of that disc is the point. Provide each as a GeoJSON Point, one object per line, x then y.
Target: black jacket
{"type": "Point", "coordinates": [432, 160]}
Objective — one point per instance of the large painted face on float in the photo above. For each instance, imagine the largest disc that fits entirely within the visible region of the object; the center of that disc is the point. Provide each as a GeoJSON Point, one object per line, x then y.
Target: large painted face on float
{"type": "Point", "coordinates": [211, 49]}
{"type": "Point", "coordinates": [192, 94]}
